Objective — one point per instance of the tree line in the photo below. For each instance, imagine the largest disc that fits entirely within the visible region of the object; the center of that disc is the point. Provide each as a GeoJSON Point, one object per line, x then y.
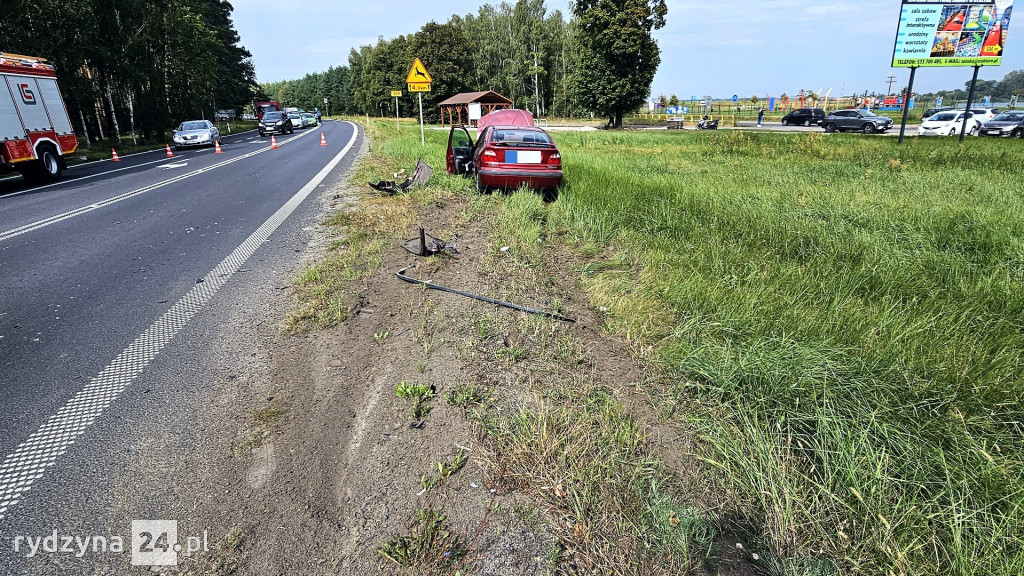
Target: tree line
{"type": "Point", "coordinates": [1000, 90]}
{"type": "Point", "coordinates": [130, 68]}
{"type": "Point", "coordinates": [601, 61]}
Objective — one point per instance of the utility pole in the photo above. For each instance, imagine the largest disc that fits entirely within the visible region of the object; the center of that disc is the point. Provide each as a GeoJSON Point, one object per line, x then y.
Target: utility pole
{"type": "Point", "coordinates": [892, 78]}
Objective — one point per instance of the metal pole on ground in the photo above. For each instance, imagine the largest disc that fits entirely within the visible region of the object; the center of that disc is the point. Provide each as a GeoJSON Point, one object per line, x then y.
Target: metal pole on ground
{"type": "Point", "coordinates": [970, 100]}
{"type": "Point", "coordinates": [423, 141]}
{"type": "Point", "coordinates": [398, 125]}
{"type": "Point", "coordinates": [906, 102]}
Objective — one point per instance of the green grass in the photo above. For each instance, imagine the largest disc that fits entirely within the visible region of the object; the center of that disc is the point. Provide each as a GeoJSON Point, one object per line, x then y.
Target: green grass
{"type": "Point", "coordinates": [843, 315]}
{"type": "Point", "coordinates": [431, 546]}
{"type": "Point", "coordinates": [418, 395]}
{"type": "Point", "coordinates": [838, 318]}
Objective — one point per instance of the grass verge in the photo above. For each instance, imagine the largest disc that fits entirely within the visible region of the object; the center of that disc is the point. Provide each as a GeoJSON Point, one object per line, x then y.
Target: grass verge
{"type": "Point", "coordinates": [837, 320]}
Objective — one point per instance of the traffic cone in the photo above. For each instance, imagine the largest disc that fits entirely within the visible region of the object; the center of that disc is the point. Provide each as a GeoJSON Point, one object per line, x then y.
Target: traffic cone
{"type": "Point", "coordinates": [273, 142]}
{"type": "Point", "coordinates": [115, 158]}
{"type": "Point", "coordinates": [323, 140]}
{"type": "Point", "coordinates": [217, 150]}
{"type": "Point", "coordinates": [169, 153]}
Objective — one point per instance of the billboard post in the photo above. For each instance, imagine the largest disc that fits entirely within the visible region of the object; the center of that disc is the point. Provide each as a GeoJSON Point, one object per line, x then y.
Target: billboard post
{"type": "Point", "coordinates": [906, 103]}
{"type": "Point", "coordinates": [970, 100]}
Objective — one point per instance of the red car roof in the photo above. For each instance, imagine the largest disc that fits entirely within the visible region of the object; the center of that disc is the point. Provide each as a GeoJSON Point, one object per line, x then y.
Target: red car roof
{"type": "Point", "coordinates": [511, 118]}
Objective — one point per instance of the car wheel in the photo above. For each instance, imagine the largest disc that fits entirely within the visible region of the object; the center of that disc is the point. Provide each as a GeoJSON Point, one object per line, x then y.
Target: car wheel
{"type": "Point", "coordinates": [807, 122]}
{"type": "Point", "coordinates": [869, 128]}
{"type": "Point", "coordinates": [480, 188]}
{"type": "Point", "coordinates": [1018, 133]}
{"type": "Point", "coordinates": [263, 134]}
{"type": "Point", "coordinates": [952, 131]}
{"type": "Point", "coordinates": [549, 195]}
{"type": "Point", "coordinates": [785, 122]}
{"type": "Point", "coordinates": [830, 127]}
{"type": "Point", "coordinates": [974, 131]}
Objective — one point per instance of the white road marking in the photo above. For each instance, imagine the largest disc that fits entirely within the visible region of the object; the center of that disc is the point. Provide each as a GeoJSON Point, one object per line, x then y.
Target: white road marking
{"type": "Point", "coordinates": [45, 186]}
{"type": "Point", "coordinates": [79, 211]}
{"type": "Point", "coordinates": [32, 457]}
{"type": "Point", "coordinates": [175, 165]}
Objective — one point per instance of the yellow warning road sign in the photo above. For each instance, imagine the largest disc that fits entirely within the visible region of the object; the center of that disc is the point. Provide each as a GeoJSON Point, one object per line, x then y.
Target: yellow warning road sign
{"type": "Point", "coordinates": [419, 87]}
{"type": "Point", "coordinates": [418, 75]}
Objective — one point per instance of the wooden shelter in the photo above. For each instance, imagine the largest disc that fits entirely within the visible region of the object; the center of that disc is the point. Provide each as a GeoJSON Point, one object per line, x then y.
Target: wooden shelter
{"type": "Point", "coordinates": [457, 107]}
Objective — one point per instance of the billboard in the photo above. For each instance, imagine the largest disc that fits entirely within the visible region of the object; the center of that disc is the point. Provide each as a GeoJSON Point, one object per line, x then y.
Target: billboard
{"type": "Point", "coordinates": [951, 33]}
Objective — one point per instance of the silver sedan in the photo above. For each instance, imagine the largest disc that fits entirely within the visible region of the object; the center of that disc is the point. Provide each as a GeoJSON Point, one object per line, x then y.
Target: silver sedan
{"type": "Point", "coordinates": [195, 133]}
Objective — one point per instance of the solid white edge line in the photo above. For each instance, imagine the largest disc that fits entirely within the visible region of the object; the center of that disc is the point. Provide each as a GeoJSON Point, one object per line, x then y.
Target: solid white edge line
{"type": "Point", "coordinates": [31, 458]}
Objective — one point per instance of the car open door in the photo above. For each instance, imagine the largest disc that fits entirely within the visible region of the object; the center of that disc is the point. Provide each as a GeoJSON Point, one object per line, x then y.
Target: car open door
{"type": "Point", "coordinates": [459, 158]}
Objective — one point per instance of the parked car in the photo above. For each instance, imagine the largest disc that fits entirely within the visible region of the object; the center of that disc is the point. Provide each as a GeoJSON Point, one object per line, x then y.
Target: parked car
{"type": "Point", "coordinates": [506, 157]}
{"type": "Point", "coordinates": [984, 114]}
{"type": "Point", "coordinates": [308, 119]}
{"type": "Point", "coordinates": [804, 117]}
{"type": "Point", "coordinates": [275, 122]}
{"type": "Point", "coordinates": [933, 111]}
{"type": "Point", "coordinates": [296, 120]}
{"type": "Point", "coordinates": [1009, 123]}
{"type": "Point", "coordinates": [195, 133]}
{"type": "Point", "coordinates": [948, 124]}
{"type": "Point", "coordinates": [861, 119]}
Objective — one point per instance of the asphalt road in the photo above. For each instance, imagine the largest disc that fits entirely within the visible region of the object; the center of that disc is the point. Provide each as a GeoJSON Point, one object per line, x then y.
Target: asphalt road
{"type": "Point", "coordinates": [117, 287]}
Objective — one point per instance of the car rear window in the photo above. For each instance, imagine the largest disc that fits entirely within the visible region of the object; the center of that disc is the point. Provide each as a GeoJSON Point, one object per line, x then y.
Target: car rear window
{"type": "Point", "coordinates": [512, 137]}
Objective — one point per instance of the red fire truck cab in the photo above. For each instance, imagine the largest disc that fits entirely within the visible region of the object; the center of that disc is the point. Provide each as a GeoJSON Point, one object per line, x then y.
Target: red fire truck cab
{"type": "Point", "coordinates": [35, 130]}
{"type": "Point", "coordinates": [262, 108]}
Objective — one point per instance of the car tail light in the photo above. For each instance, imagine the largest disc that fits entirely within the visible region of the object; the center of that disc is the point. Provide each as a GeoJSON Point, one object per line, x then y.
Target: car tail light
{"type": "Point", "coordinates": [555, 159]}
{"type": "Point", "coordinates": [489, 158]}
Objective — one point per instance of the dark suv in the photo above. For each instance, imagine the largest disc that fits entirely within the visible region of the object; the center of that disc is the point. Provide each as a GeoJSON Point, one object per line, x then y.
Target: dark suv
{"type": "Point", "coordinates": [804, 117]}
{"type": "Point", "coordinates": [857, 119]}
{"type": "Point", "coordinates": [275, 122]}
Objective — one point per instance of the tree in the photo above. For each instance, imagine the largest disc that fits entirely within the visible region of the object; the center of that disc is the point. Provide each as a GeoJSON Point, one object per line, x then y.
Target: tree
{"type": "Point", "coordinates": [754, 99]}
{"type": "Point", "coordinates": [673, 100]}
{"type": "Point", "coordinates": [447, 56]}
{"type": "Point", "coordinates": [618, 55]}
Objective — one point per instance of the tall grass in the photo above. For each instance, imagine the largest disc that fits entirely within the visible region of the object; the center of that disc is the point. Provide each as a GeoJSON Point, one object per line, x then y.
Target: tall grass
{"type": "Point", "coordinates": [845, 318]}
{"type": "Point", "coordinates": [841, 319]}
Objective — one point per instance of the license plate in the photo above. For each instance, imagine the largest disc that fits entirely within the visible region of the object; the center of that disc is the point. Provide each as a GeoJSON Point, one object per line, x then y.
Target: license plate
{"type": "Point", "coordinates": [522, 156]}
{"type": "Point", "coordinates": [993, 131]}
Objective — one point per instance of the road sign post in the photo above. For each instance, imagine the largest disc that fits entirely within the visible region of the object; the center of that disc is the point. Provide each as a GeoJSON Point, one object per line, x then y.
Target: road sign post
{"type": "Point", "coordinates": [419, 81]}
{"type": "Point", "coordinates": [397, 94]}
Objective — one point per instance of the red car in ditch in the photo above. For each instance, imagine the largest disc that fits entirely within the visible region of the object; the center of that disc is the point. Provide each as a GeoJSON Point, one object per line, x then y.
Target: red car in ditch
{"type": "Point", "coordinates": [507, 157]}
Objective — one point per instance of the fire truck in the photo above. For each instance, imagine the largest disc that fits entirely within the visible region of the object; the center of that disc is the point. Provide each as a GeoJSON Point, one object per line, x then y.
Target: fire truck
{"type": "Point", "coordinates": [35, 131]}
{"type": "Point", "coordinates": [263, 107]}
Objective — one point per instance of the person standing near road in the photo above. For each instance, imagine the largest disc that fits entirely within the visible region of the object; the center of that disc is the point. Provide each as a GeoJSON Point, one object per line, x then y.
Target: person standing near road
{"type": "Point", "coordinates": [760, 116]}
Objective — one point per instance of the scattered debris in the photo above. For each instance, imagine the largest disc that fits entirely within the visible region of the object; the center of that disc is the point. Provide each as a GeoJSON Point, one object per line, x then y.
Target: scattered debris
{"type": "Point", "coordinates": [427, 245]}
{"type": "Point", "coordinates": [401, 275]}
{"type": "Point", "coordinates": [419, 176]}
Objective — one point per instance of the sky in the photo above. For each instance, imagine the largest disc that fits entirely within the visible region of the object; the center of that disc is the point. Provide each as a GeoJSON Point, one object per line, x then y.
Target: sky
{"type": "Point", "coordinates": [717, 48]}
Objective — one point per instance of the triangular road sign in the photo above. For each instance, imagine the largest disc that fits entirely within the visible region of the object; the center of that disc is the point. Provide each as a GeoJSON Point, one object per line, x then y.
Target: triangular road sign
{"type": "Point", "coordinates": [418, 74]}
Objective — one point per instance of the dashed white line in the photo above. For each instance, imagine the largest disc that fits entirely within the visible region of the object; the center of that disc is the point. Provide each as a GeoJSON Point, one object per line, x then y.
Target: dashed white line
{"type": "Point", "coordinates": [31, 458]}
